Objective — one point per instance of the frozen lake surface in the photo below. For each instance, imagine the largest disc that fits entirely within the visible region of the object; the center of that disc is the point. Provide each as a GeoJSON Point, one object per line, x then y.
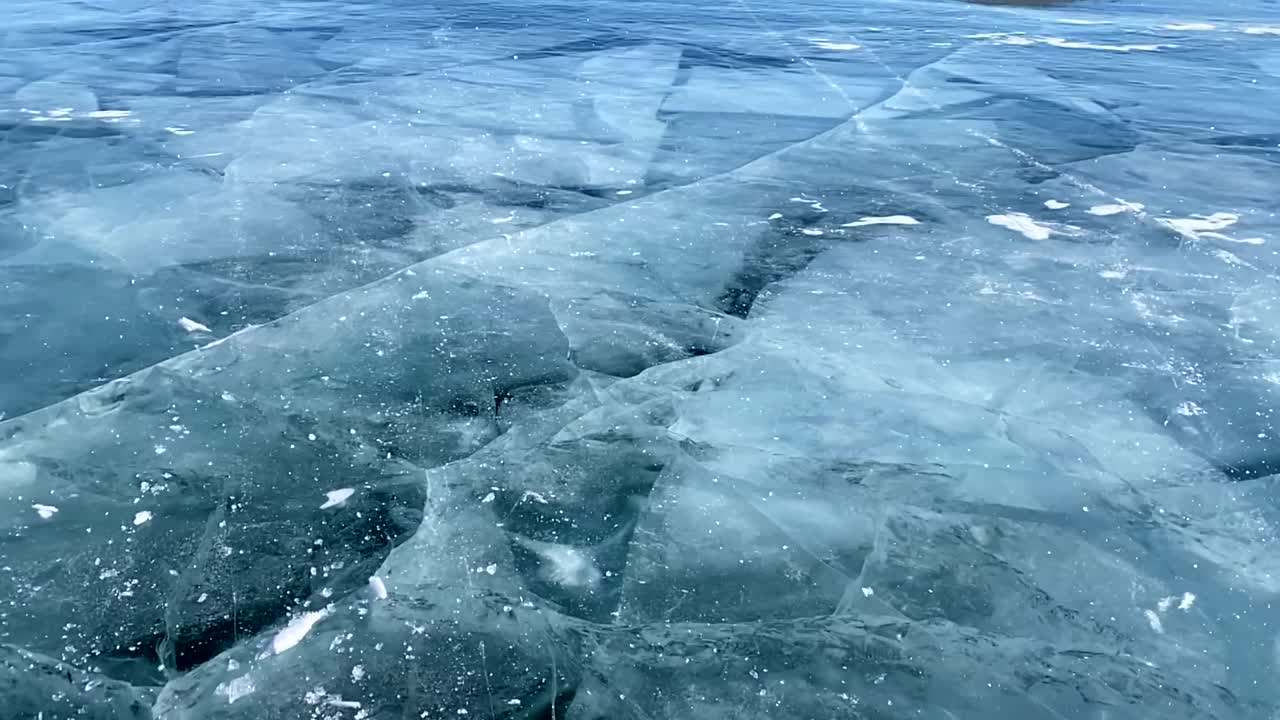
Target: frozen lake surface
{"type": "Point", "coordinates": [879, 360]}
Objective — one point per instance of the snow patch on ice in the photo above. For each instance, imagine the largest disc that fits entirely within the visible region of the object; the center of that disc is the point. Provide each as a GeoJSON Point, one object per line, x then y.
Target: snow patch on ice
{"type": "Point", "coordinates": [296, 630]}
{"type": "Point", "coordinates": [337, 497]}
{"type": "Point", "coordinates": [883, 220]}
{"type": "Point", "coordinates": [1022, 223]}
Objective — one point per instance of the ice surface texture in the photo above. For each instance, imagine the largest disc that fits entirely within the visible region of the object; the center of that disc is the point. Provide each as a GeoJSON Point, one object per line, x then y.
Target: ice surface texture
{"type": "Point", "coordinates": [638, 362]}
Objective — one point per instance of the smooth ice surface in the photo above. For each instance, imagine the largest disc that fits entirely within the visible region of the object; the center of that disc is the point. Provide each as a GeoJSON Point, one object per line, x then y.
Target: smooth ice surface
{"type": "Point", "coordinates": [615, 360]}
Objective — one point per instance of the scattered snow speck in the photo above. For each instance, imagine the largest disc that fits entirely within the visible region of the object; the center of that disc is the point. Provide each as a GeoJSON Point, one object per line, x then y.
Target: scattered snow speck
{"type": "Point", "coordinates": [1022, 223]}
{"type": "Point", "coordinates": [191, 326]}
{"type": "Point", "coordinates": [1056, 204]}
{"type": "Point", "coordinates": [44, 511]}
{"type": "Point", "coordinates": [1189, 409]}
{"type": "Point", "coordinates": [378, 587]}
{"type": "Point", "coordinates": [297, 629]}
{"type": "Point", "coordinates": [142, 517]}
{"type": "Point", "coordinates": [883, 220]}
{"type": "Point", "coordinates": [337, 497]}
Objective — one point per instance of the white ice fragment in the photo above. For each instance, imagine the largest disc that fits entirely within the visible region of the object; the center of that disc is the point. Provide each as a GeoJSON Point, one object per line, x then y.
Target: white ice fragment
{"type": "Point", "coordinates": [179, 131]}
{"type": "Point", "coordinates": [357, 673]}
{"type": "Point", "coordinates": [868, 592]}
{"type": "Point", "coordinates": [1022, 223]}
{"type": "Point", "coordinates": [108, 114]}
{"type": "Point", "coordinates": [378, 588]}
{"type": "Point", "coordinates": [775, 216]}
{"type": "Point", "coordinates": [1165, 603]}
{"type": "Point", "coordinates": [44, 511]}
{"type": "Point", "coordinates": [1114, 274]}
{"type": "Point", "coordinates": [883, 220]}
{"type": "Point", "coordinates": [1188, 599]}
{"type": "Point", "coordinates": [535, 496]}
{"type": "Point", "coordinates": [513, 701]}
{"type": "Point", "coordinates": [811, 232]}
{"type": "Point", "coordinates": [236, 688]}
{"type": "Point", "coordinates": [1154, 620]}
{"type": "Point", "coordinates": [191, 326]}
{"type": "Point", "coordinates": [491, 569]}
{"type": "Point", "coordinates": [502, 220]}
{"type": "Point", "coordinates": [142, 517]}
{"type": "Point", "coordinates": [488, 498]}
{"type": "Point", "coordinates": [1262, 30]}
{"type": "Point", "coordinates": [1201, 26]}
{"type": "Point", "coordinates": [624, 192]}
{"type": "Point", "coordinates": [297, 629]}
{"type": "Point", "coordinates": [1056, 204]}
{"type": "Point", "coordinates": [337, 497]}
{"type": "Point", "coordinates": [420, 295]}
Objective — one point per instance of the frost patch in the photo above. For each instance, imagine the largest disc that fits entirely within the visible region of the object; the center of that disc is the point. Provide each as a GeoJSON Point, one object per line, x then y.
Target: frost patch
{"type": "Point", "coordinates": [236, 689]}
{"type": "Point", "coordinates": [1021, 39]}
{"type": "Point", "coordinates": [1154, 620]}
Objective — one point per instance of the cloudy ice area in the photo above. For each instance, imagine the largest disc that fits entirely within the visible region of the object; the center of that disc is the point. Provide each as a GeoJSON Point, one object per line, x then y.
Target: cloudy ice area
{"type": "Point", "coordinates": [880, 360]}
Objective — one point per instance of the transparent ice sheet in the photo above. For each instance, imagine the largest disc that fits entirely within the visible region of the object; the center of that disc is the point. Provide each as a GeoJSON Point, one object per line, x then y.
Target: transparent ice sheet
{"type": "Point", "coordinates": [639, 361]}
